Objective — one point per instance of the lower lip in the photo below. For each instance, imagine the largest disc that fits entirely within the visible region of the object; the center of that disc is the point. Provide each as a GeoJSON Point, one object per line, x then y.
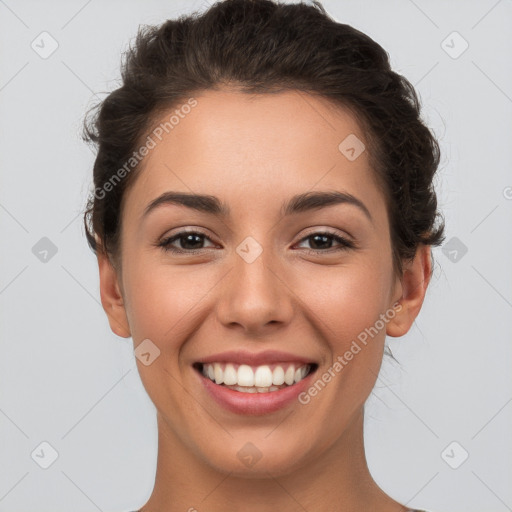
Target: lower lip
{"type": "Point", "coordinates": [254, 403]}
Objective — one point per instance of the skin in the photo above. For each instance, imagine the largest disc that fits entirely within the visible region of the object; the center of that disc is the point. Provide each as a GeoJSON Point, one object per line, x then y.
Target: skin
{"type": "Point", "coordinates": [254, 152]}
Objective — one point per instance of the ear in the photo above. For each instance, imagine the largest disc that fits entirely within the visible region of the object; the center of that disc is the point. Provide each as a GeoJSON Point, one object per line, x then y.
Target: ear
{"type": "Point", "coordinates": [411, 292]}
{"type": "Point", "coordinates": [111, 297]}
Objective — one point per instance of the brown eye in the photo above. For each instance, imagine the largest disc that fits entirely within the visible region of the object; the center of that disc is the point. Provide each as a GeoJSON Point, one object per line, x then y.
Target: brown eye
{"type": "Point", "coordinates": [189, 241]}
{"type": "Point", "coordinates": [322, 242]}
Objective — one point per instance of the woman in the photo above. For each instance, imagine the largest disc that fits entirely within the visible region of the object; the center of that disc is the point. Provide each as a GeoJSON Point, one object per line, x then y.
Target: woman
{"type": "Point", "coordinates": [263, 217]}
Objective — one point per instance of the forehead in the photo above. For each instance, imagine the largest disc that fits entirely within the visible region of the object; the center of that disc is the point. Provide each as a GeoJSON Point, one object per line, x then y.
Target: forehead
{"type": "Point", "coordinates": [278, 125]}
{"type": "Point", "coordinates": [243, 147]}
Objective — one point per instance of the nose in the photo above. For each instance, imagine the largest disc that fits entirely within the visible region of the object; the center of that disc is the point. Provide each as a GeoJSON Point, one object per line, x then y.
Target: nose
{"type": "Point", "coordinates": [255, 298]}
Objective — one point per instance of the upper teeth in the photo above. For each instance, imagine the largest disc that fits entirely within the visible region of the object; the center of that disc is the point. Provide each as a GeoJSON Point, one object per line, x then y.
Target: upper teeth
{"type": "Point", "coordinates": [259, 376]}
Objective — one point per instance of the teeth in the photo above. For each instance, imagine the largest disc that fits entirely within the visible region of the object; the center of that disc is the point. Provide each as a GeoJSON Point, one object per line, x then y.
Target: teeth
{"type": "Point", "coordinates": [263, 377]}
{"type": "Point", "coordinates": [289, 376]}
{"type": "Point", "coordinates": [230, 375]}
{"type": "Point", "coordinates": [300, 373]}
{"type": "Point", "coordinates": [254, 389]}
{"type": "Point", "coordinates": [219, 374]}
{"type": "Point", "coordinates": [278, 376]}
{"type": "Point", "coordinates": [260, 379]}
{"type": "Point", "coordinates": [245, 376]}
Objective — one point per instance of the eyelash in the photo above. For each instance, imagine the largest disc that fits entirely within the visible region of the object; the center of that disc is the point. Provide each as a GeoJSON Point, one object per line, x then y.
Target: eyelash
{"type": "Point", "coordinates": [165, 244]}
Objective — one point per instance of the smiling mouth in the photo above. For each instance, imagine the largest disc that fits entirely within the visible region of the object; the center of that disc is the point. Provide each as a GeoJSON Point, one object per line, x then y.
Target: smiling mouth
{"type": "Point", "coordinates": [255, 379]}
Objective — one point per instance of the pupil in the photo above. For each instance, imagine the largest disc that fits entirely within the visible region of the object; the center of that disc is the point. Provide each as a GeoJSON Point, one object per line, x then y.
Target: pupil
{"type": "Point", "coordinates": [316, 237]}
{"type": "Point", "coordinates": [187, 239]}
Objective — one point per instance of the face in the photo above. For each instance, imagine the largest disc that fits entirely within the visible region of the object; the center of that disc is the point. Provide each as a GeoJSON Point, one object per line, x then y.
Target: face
{"type": "Point", "coordinates": [256, 280]}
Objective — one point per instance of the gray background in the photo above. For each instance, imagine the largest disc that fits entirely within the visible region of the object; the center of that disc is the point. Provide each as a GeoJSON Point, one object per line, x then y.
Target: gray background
{"type": "Point", "coordinates": [67, 380]}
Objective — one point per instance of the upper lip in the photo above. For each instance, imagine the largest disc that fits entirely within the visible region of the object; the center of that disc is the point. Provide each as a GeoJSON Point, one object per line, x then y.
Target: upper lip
{"type": "Point", "coordinates": [255, 358]}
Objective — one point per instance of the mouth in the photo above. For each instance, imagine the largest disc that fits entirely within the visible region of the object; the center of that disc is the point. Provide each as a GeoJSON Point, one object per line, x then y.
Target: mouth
{"type": "Point", "coordinates": [246, 378]}
{"type": "Point", "coordinates": [246, 389]}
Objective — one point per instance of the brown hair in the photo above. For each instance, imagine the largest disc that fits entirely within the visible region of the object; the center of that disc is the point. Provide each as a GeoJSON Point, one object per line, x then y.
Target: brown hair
{"type": "Point", "coordinates": [262, 46]}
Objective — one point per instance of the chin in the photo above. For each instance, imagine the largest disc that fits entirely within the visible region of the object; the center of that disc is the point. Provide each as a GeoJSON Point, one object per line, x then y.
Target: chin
{"type": "Point", "coordinates": [255, 457]}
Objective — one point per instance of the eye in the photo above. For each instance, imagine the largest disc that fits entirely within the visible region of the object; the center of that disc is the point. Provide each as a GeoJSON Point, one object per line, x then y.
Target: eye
{"type": "Point", "coordinates": [323, 242]}
{"type": "Point", "coordinates": [190, 241]}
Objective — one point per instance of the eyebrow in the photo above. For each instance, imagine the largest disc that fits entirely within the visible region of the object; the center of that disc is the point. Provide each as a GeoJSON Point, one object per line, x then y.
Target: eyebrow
{"type": "Point", "coordinates": [297, 204]}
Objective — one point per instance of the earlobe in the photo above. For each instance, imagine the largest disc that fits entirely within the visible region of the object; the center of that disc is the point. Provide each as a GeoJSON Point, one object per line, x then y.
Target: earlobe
{"type": "Point", "coordinates": [111, 297]}
{"type": "Point", "coordinates": [414, 283]}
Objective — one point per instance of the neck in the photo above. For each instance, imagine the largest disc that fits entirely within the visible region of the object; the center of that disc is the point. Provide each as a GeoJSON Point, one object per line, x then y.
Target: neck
{"type": "Point", "coordinates": [338, 480]}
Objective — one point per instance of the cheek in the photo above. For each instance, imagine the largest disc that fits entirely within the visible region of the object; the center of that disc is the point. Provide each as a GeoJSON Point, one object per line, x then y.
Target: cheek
{"type": "Point", "coordinates": [164, 307]}
{"type": "Point", "coordinates": [164, 300]}
{"type": "Point", "coordinates": [346, 300]}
